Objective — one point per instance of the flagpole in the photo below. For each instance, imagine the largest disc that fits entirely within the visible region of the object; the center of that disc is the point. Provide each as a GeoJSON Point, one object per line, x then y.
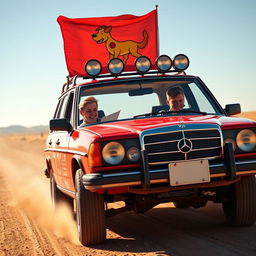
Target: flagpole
{"type": "Point", "coordinates": [157, 31]}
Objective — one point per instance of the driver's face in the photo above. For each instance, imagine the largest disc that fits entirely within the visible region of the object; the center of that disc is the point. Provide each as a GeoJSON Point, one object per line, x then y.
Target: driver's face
{"type": "Point", "coordinates": [90, 113]}
{"type": "Point", "coordinates": [176, 103]}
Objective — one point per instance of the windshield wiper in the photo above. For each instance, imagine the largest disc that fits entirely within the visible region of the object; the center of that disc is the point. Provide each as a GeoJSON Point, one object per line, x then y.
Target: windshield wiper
{"type": "Point", "coordinates": [183, 111]}
{"type": "Point", "coordinates": [171, 112]}
{"type": "Point", "coordinates": [147, 114]}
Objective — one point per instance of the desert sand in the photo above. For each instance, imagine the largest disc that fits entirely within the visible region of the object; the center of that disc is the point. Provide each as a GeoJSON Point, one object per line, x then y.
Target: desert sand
{"type": "Point", "coordinates": [30, 226]}
{"type": "Point", "coordinates": [249, 114]}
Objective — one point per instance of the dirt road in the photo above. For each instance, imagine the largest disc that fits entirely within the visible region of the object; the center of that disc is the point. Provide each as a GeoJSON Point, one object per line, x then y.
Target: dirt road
{"type": "Point", "coordinates": [29, 226]}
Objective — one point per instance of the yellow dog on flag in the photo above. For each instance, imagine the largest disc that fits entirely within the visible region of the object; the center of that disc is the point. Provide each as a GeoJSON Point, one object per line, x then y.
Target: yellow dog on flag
{"type": "Point", "coordinates": [117, 48]}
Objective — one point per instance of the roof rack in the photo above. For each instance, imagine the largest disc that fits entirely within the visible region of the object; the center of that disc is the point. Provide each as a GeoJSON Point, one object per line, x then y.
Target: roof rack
{"type": "Point", "coordinates": [142, 65]}
{"type": "Point", "coordinates": [70, 81]}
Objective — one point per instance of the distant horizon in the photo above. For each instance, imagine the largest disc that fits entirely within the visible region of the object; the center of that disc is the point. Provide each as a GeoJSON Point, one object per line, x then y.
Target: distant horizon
{"type": "Point", "coordinates": [14, 129]}
{"type": "Point", "coordinates": [24, 125]}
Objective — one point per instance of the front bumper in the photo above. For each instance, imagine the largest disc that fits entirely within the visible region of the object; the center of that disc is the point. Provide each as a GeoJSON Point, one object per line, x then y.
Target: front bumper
{"type": "Point", "coordinates": [229, 168]}
{"type": "Point", "coordinates": [135, 177]}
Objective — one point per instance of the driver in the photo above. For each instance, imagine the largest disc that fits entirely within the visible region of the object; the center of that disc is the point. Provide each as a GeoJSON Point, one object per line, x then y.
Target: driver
{"type": "Point", "coordinates": [88, 108]}
{"type": "Point", "coordinates": [175, 98]}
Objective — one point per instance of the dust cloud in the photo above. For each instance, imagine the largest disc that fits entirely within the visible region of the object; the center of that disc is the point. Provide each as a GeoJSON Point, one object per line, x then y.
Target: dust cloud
{"type": "Point", "coordinates": [21, 165]}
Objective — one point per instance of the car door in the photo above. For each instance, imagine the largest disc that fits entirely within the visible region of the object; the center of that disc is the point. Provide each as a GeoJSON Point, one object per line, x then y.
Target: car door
{"type": "Point", "coordinates": [51, 154]}
{"type": "Point", "coordinates": [60, 144]}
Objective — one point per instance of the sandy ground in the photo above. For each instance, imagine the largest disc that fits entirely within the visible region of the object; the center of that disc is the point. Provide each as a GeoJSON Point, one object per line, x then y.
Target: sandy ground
{"type": "Point", "coordinates": [29, 226]}
{"type": "Point", "coordinates": [249, 114]}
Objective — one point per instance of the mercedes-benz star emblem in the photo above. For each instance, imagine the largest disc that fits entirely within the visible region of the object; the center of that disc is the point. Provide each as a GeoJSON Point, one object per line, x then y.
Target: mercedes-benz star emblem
{"type": "Point", "coordinates": [184, 145]}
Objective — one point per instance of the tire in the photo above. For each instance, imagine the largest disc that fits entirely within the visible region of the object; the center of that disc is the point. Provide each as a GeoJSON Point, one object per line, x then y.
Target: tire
{"type": "Point", "coordinates": [240, 204]}
{"type": "Point", "coordinates": [57, 196]}
{"type": "Point", "coordinates": [90, 214]}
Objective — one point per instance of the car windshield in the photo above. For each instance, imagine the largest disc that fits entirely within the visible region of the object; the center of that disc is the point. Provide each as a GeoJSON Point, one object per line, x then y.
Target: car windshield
{"type": "Point", "coordinates": [147, 97]}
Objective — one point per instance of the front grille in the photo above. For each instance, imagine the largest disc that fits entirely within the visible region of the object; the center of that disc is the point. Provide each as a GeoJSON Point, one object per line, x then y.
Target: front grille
{"type": "Point", "coordinates": [169, 146]}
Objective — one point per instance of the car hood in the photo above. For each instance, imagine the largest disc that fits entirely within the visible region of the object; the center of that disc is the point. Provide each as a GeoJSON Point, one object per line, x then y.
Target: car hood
{"type": "Point", "coordinates": [131, 128]}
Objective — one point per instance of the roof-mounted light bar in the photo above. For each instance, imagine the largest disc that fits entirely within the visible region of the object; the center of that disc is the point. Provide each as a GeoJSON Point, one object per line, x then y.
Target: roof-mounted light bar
{"type": "Point", "coordinates": [142, 65]}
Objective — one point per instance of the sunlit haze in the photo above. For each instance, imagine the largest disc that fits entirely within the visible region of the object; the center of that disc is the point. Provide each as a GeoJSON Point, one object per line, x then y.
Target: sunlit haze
{"type": "Point", "coordinates": [218, 36]}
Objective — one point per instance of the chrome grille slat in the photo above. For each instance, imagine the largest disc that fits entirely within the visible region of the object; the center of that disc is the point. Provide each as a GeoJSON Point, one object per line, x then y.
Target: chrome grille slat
{"type": "Point", "coordinates": [173, 152]}
{"type": "Point", "coordinates": [209, 138]}
{"type": "Point", "coordinates": [200, 149]}
{"type": "Point", "coordinates": [162, 142]}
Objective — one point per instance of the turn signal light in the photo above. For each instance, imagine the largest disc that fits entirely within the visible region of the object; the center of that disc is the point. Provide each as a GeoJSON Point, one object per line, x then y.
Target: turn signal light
{"type": "Point", "coordinates": [94, 155]}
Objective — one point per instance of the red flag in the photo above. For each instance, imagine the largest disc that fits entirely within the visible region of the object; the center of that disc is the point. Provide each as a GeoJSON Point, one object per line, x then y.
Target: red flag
{"type": "Point", "coordinates": [125, 37]}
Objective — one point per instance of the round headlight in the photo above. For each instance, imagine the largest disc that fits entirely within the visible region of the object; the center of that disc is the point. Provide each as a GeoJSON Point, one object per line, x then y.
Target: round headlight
{"type": "Point", "coordinates": [180, 62]}
{"type": "Point", "coordinates": [142, 64]}
{"type": "Point", "coordinates": [93, 67]}
{"type": "Point", "coordinates": [163, 63]}
{"type": "Point", "coordinates": [115, 66]}
{"type": "Point", "coordinates": [229, 140]}
{"type": "Point", "coordinates": [113, 153]}
{"type": "Point", "coordinates": [246, 140]}
{"type": "Point", "coordinates": [133, 154]}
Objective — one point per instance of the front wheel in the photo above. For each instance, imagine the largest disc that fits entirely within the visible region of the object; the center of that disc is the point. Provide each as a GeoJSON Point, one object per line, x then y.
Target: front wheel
{"type": "Point", "coordinates": [240, 202]}
{"type": "Point", "coordinates": [90, 214]}
{"type": "Point", "coordinates": [57, 196]}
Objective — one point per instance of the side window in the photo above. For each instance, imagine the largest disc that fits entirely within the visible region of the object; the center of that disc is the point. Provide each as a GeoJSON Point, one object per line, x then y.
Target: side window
{"type": "Point", "coordinates": [58, 109]}
{"type": "Point", "coordinates": [64, 108]}
{"type": "Point", "coordinates": [69, 107]}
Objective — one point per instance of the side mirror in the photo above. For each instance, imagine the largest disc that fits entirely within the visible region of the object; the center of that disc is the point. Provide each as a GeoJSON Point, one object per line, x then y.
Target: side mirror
{"type": "Point", "coordinates": [60, 125]}
{"type": "Point", "coordinates": [232, 109]}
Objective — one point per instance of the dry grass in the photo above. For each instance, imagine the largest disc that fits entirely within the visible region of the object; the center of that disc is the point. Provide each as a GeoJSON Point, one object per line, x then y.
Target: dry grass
{"type": "Point", "coordinates": [27, 141]}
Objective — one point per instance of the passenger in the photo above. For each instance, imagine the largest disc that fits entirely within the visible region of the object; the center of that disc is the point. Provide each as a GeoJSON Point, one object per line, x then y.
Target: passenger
{"type": "Point", "coordinates": [88, 108]}
{"type": "Point", "coordinates": [175, 98]}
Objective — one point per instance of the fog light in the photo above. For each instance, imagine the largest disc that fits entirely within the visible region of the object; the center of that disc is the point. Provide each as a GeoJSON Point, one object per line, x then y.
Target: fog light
{"type": "Point", "coordinates": [229, 140]}
{"type": "Point", "coordinates": [115, 66]}
{"type": "Point", "coordinates": [163, 63]}
{"type": "Point", "coordinates": [142, 64]}
{"type": "Point", "coordinates": [133, 154]}
{"type": "Point", "coordinates": [180, 62]}
{"type": "Point", "coordinates": [93, 68]}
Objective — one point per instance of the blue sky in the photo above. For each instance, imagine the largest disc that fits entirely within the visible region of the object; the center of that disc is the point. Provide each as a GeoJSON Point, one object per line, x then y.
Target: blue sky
{"type": "Point", "coordinates": [218, 36]}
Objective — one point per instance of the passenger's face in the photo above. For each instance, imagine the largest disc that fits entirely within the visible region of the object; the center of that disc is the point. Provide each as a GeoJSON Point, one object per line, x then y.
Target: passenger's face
{"type": "Point", "coordinates": [176, 103]}
{"type": "Point", "coordinates": [90, 113]}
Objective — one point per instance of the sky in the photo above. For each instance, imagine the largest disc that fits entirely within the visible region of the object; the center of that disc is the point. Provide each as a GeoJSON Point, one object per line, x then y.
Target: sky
{"type": "Point", "coordinates": [219, 37]}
